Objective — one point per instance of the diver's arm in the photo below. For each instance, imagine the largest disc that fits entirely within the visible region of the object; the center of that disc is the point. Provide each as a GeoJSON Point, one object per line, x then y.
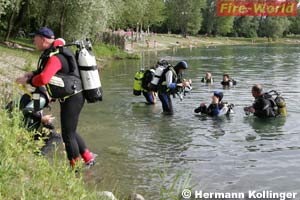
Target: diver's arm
{"type": "Point", "coordinates": [169, 79]}
{"type": "Point", "coordinates": [52, 67]}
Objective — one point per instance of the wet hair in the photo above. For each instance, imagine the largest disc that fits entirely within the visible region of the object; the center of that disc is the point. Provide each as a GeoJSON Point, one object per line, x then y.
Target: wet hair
{"type": "Point", "coordinates": [226, 75]}
{"type": "Point", "coordinates": [257, 88]}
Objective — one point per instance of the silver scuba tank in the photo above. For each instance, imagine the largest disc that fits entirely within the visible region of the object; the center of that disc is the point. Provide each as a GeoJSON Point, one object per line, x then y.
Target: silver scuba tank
{"type": "Point", "coordinates": [88, 69]}
{"type": "Point", "coordinates": [157, 76]}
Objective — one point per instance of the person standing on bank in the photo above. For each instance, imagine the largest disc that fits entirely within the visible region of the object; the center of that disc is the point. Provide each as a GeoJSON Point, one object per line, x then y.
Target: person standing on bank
{"type": "Point", "coordinates": [52, 65]}
{"type": "Point", "coordinates": [171, 80]}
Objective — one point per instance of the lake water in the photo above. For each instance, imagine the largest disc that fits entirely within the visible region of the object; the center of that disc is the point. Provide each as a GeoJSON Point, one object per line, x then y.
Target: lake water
{"type": "Point", "coordinates": [231, 154]}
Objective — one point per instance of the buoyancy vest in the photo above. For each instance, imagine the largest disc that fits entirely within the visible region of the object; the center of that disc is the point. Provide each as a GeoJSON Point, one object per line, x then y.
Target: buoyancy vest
{"type": "Point", "coordinates": [162, 85]}
{"type": "Point", "coordinates": [66, 82]}
{"type": "Point", "coordinates": [223, 109]}
{"type": "Point", "coordinates": [158, 74]}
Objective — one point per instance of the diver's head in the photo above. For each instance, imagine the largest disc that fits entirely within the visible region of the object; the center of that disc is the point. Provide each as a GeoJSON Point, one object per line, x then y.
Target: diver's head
{"type": "Point", "coordinates": [163, 62]}
{"type": "Point", "coordinates": [181, 66]}
{"type": "Point", "coordinates": [226, 77]}
{"type": "Point", "coordinates": [208, 75]}
{"type": "Point", "coordinates": [218, 94]}
{"type": "Point", "coordinates": [257, 90]}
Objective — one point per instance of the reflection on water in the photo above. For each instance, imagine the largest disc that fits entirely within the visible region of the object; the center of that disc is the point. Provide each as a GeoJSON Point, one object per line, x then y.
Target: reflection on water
{"type": "Point", "coordinates": [236, 153]}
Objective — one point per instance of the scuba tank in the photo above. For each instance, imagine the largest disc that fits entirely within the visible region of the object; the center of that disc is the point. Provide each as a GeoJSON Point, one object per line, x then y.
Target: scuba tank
{"type": "Point", "coordinates": [137, 83]}
{"type": "Point", "coordinates": [88, 69]}
{"type": "Point", "coordinates": [280, 103]}
{"type": "Point", "coordinates": [281, 106]}
{"type": "Point", "coordinates": [161, 66]}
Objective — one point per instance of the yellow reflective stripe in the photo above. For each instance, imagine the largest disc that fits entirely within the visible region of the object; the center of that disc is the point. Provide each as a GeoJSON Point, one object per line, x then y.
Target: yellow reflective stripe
{"type": "Point", "coordinates": [54, 53]}
{"type": "Point", "coordinates": [64, 98]}
{"type": "Point", "coordinates": [49, 90]}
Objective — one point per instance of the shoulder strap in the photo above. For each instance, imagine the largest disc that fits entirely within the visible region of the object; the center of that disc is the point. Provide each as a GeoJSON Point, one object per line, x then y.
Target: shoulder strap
{"type": "Point", "coordinates": [68, 60]}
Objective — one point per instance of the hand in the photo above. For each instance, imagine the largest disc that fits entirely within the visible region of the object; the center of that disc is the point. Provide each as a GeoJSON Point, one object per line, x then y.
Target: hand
{"type": "Point", "coordinates": [47, 119]}
{"type": "Point", "coordinates": [185, 84]}
{"type": "Point", "coordinates": [202, 104]}
{"type": "Point", "coordinates": [28, 74]}
{"type": "Point", "coordinates": [249, 109]}
{"type": "Point", "coordinates": [22, 80]}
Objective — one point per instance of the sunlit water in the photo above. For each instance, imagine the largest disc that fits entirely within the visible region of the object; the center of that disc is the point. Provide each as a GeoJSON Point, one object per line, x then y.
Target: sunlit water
{"type": "Point", "coordinates": [234, 154]}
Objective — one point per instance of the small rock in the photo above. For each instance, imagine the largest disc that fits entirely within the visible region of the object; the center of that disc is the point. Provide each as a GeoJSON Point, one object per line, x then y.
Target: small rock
{"type": "Point", "coordinates": [107, 195]}
{"type": "Point", "coordinates": [136, 197]}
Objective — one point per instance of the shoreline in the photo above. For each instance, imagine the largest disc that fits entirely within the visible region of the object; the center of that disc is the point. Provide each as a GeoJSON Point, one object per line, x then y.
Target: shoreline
{"type": "Point", "coordinates": [160, 42]}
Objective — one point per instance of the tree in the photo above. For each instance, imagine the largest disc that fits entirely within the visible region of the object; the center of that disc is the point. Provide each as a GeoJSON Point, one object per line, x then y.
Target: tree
{"type": "Point", "coordinates": [295, 24]}
{"type": "Point", "coordinates": [273, 27]}
{"type": "Point", "coordinates": [223, 25]}
{"type": "Point", "coordinates": [154, 14]}
{"type": "Point", "coordinates": [16, 13]}
{"type": "Point", "coordinates": [246, 26]}
{"type": "Point", "coordinates": [213, 24]}
{"type": "Point", "coordinates": [4, 4]}
{"type": "Point", "coordinates": [185, 17]}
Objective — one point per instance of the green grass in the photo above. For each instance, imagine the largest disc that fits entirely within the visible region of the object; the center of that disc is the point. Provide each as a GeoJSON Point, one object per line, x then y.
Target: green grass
{"type": "Point", "coordinates": [171, 186]}
{"type": "Point", "coordinates": [110, 51]}
{"type": "Point", "coordinates": [27, 42]}
{"type": "Point", "coordinates": [25, 175]}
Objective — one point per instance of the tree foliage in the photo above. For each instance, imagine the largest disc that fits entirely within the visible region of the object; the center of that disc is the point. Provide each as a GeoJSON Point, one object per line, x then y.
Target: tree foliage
{"type": "Point", "coordinates": [295, 24]}
{"type": "Point", "coordinates": [76, 19]}
{"type": "Point", "coordinates": [213, 24]}
{"type": "Point", "coordinates": [273, 27]}
{"type": "Point", "coordinates": [246, 26]}
{"type": "Point", "coordinates": [184, 17]}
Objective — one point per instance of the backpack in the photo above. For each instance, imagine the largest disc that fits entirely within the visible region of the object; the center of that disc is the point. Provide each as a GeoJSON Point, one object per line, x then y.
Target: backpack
{"type": "Point", "coordinates": [65, 82]}
{"type": "Point", "coordinates": [82, 74]}
{"type": "Point", "coordinates": [159, 72]}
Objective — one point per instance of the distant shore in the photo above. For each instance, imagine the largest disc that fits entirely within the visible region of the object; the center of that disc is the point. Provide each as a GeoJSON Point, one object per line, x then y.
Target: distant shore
{"type": "Point", "coordinates": [158, 42]}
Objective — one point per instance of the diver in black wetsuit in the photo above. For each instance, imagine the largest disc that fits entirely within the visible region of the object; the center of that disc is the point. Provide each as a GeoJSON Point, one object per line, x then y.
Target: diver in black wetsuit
{"type": "Point", "coordinates": [227, 81]}
{"type": "Point", "coordinates": [264, 104]}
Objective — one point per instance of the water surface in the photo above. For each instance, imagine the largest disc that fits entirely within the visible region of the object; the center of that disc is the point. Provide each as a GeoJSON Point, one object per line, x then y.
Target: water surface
{"type": "Point", "coordinates": [234, 154]}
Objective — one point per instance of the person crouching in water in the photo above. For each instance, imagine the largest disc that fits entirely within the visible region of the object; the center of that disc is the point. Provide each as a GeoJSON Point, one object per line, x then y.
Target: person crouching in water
{"type": "Point", "coordinates": [51, 64]}
{"type": "Point", "coordinates": [171, 81]}
{"type": "Point", "coordinates": [216, 108]}
{"type": "Point", "coordinates": [264, 104]}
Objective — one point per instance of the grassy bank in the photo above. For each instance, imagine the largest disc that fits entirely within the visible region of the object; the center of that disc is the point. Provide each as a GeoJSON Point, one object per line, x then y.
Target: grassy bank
{"type": "Point", "coordinates": [102, 51]}
{"type": "Point", "coordinates": [112, 52]}
{"type": "Point", "coordinates": [26, 175]}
